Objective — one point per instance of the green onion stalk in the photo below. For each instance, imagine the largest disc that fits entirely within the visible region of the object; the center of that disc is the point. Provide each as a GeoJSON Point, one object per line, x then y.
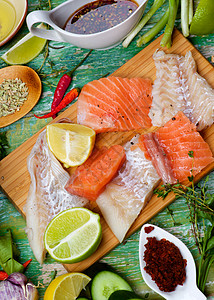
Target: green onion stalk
{"type": "Point", "coordinates": [156, 5]}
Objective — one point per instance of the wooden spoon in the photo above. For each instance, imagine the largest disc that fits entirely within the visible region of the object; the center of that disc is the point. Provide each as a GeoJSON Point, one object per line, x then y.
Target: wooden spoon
{"type": "Point", "coordinates": [33, 82]}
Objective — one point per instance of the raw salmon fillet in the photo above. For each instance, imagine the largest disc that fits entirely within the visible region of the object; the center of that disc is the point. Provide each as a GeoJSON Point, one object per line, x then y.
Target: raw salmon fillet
{"type": "Point", "coordinates": [177, 150]}
{"type": "Point", "coordinates": [115, 104]}
{"type": "Point", "coordinates": [89, 180]}
{"type": "Point", "coordinates": [178, 87]}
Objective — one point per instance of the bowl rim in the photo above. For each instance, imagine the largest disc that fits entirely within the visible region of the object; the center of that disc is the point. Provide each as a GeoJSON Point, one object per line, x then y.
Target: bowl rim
{"type": "Point", "coordinates": [16, 29]}
{"type": "Point", "coordinates": [91, 35]}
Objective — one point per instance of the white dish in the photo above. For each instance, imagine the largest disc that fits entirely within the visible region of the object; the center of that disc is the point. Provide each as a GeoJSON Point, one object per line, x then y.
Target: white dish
{"type": "Point", "coordinates": [58, 16]}
{"type": "Point", "coordinates": [20, 7]}
{"type": "Point", "coordinates": [187, 291]}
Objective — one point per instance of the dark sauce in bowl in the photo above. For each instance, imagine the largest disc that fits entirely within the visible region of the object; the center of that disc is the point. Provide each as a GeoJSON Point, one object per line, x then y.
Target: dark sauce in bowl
{"type": "Point", "coordinates": [98, 16]}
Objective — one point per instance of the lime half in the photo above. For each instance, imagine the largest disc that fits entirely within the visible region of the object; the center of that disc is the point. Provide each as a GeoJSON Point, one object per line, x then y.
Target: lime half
{"type": "Point", "coordinates": [73, 235]}
{"type": "Point", "coordinates": [202, 22]}
{"type": "Point", "coordinates": [67, 286]}
{"type": "Point", "coordinates": [25, 50]}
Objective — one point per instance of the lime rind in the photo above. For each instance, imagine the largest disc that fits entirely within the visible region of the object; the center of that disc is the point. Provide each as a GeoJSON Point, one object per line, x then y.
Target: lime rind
{"type": "Point", "coordinates": [202, 22]}
{"type": "Point", "coordinates": [64, 250]}
{"type": "Point", "coordinates": [16, 56]}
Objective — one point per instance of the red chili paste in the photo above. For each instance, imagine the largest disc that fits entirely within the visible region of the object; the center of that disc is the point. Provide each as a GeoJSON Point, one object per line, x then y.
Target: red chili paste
{"type": "Point", "coordinates": [165, 264]}
{"type": "Point", "coordinates": [148, 229]}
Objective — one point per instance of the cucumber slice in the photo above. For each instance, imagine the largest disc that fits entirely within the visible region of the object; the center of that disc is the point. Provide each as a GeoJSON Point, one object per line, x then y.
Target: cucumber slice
{"type": "Point", "coordinates": [105, 283]}
{"type": "Point", "coordinates": [125, 295]}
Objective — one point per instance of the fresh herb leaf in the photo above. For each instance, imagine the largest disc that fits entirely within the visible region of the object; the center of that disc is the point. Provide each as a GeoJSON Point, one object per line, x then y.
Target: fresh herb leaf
{"type": "Point", "coordinates": [4, 145]}
{"type": "Point", "coordinates": [7, 262]}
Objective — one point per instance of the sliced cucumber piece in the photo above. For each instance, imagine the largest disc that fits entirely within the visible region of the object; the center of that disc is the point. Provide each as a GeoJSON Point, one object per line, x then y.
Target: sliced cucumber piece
{"type": "Point", "coordinates": [105, 283]}
{"type": "Point", "coordinates": [125, 295]}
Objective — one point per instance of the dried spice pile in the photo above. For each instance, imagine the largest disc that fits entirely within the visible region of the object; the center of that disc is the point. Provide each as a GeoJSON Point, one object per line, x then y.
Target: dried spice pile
{"type": "Point", "coordinates": [13, 94]}
{"type": "Point", "coordinates": [165, 264]}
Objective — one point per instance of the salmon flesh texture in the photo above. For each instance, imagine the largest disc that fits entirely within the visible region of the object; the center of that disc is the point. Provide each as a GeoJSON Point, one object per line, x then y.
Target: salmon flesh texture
{"type": "Point", "coordinates": [89, 179]}
{"type": "Point", "coordinates": [115, 104]}
{"type": "Point", "coordinates": [177, 149]}
{"type": "Point", "coordinates": [178, 87]}
{"type": "Point", "coordinates": [47, 195]}
{"type": "Point", "coordinates": [127, 194]}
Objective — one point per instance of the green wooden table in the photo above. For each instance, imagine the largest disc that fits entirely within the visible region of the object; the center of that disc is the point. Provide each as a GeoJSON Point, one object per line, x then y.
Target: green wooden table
{"type": "Point", "coordinates": [62, 57]}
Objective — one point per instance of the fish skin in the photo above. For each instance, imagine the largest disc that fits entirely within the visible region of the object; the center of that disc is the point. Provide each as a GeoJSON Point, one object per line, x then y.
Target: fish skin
{"type": "Point", "coordinates": [47, 196]}
{"type": "Point", "coordinates": [115, 104]}
{"type": "Point", "coordinates": [177, 139]}
{"type": "Point", "coordinates": [178, 87]}
{"type": "Point", "coordinates": [128, 193]}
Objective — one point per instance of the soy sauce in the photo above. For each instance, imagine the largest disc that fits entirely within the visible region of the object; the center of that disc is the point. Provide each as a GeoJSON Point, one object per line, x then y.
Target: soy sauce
{"type": "Point", "coordinates": [98, 16]}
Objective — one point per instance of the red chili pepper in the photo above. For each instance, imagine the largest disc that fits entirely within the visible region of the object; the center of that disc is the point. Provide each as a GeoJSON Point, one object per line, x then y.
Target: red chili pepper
{"type": "Point", "coordinates": [63, 84]}
{"type": "Point", "coordinates": [27, 263]}
{"type": "Point", "coordinates": [3, 275]}
{"type": "Point", "coordinates": [69, 97]}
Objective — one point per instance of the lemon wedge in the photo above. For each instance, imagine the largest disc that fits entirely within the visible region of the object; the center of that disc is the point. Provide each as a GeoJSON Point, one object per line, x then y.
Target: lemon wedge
{"type": "Point", "coordinates": [70, 143]}
{"type": "Point", "coordinates": [25, 50]}
{"type": "Point", "coordinates": [67, 286]}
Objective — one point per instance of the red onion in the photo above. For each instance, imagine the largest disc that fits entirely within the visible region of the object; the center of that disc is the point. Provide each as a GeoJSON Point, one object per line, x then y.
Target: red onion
{"type": "Point", "coordinates": [16, 287]}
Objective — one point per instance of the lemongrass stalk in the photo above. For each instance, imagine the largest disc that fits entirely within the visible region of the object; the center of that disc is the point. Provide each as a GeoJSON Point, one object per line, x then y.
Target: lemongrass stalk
{"type": "Point", "coordinates": [149, 35]}
{"type": "Point", "coordinates": [156, 5]}
{"type": "Point", "coordinates": [190, 11]}
{"type": "Point", "coordinates": [185, 17]}
{"type": "Point", "coordinates": [166, 40]}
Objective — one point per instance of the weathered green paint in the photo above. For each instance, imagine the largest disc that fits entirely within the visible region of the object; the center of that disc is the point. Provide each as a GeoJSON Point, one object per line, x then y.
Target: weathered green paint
{"type": "Point", "coordinates": [124, 258]}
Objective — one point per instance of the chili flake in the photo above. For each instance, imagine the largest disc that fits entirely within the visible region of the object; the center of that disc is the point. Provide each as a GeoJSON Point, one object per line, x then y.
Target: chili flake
{"type": "Point", "coordinates": [148, 229]}
{"type": "Point", "coordinates": [165, 264]}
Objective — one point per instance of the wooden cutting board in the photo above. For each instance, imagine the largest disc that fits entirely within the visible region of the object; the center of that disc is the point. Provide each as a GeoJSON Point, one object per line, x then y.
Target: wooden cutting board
{"type": "Point", "coordinates": [14, 177]}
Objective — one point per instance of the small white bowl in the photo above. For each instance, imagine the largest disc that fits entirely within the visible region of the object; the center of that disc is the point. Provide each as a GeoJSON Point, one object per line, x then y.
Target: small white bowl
{"type": "Point", "coordinates": [20, 7]}
{"type": "Point", "coordinates": [187, 291]}
{"type": "Point", "coordinates": [58, 16]}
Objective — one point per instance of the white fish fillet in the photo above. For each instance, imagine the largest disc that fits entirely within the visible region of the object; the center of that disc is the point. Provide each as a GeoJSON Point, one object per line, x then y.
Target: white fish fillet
{"type": "Point", "coordinates": [178, 87]}
{"type": "Point", "coordinates": [47, 196]}
{"type": "Point", "coordinates": [128, 193]}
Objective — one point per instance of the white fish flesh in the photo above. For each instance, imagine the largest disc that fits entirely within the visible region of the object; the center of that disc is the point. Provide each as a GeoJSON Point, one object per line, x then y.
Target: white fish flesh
{"type": "Point", "coordinates": [178, 87]}
{"type": "Point", "coordinates": [129, 191]}
{"type": "Point", "coordinates": [47, 196]}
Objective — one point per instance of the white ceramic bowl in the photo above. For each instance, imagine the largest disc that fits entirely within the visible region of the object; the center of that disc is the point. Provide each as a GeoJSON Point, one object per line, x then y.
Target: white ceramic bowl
{"type": "Point", "coordinates": [58, 16]}
{"type": "Point", "coordinates": [187, 291]}
{"type": "Point", "coordinates": [20, 7]}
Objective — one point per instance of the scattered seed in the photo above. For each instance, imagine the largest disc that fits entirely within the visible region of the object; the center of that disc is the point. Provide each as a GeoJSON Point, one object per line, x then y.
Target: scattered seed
{"type": "Point", "coordinates": [13, 94]}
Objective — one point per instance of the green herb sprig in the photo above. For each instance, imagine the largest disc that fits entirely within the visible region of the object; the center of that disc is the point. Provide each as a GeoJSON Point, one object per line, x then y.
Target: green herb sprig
{"type": "Point", "coordinates": [201, 207]}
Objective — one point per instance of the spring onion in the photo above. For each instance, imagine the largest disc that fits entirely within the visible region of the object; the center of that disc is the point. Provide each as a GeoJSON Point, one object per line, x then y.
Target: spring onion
{"type": "Point", "coordinates": [156, 5]}
{"type": "Point", "coordinates": [166, 40]}
{"type": "Point", "coordinates": [149, 35]}
{"type": "Point", "coordinates": [185, 17]}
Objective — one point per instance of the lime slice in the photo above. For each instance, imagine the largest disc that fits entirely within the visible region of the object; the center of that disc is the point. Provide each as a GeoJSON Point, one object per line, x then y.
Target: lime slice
{"type": "Point", "coordinates": [202, 22]}
{"type": "Point", "coordinates": [70, 143]}
{"type": "Point", "coordinates": [25, 50]}
{"type": "Point", "coordinates": [67, 286]}
{"type": "Point", "coordinates": [73, 235]}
